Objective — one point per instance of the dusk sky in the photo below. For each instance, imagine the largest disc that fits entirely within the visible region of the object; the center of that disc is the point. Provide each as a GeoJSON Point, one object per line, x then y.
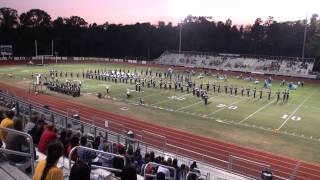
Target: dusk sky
{"type": "Point", "coordinates": [131, 11]}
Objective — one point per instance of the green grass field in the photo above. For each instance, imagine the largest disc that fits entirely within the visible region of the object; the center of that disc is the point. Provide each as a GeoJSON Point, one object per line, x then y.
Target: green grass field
{"type": "Point", "coordinates": [242, 120]}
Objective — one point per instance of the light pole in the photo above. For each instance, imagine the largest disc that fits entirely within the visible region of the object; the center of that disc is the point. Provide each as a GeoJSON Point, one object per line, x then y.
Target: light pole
{"type": "Point", "coordinates": [304, 37]}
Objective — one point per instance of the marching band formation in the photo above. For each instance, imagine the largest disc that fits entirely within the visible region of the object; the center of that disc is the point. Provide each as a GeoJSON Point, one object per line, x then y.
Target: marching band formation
{"type": "Point", "coordinates": [163, 80]}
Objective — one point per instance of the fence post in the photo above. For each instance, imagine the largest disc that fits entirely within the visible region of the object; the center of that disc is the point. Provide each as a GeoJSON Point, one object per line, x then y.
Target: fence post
{"type": "Point", "coordinates": [230, 163]}
{"type": "Point", "coordinates": [95, 132]}
{"type": "Point", "coordinates": [82, 128]}
{"type": "Point", "coordinates": [52, 118]}
{"type": "Point", "coordinates": [17, 108]}
{"type": "Point", "coordinates": [106, 135]}
{"type": "Point", "coordinates": [66, 123]}
{"type": "Point", "coordinates": [30, 111]}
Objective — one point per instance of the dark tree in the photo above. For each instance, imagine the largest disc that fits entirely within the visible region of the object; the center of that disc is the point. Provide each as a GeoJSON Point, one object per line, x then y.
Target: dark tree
{"type": "Point", "coordinates": [8, 18]}
{"type": "Point", "coordinates": [35, 18]}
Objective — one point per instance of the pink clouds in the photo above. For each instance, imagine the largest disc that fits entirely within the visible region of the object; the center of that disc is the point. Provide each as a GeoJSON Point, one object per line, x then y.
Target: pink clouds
{"type": "Point", "coordinates": [131, 11]}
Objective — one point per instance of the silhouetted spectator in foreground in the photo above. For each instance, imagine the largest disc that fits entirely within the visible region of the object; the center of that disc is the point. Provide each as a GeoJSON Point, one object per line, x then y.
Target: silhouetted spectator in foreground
{"type": "Point", "coordinates": [129, 173]}
{"type": "Point", "coordinates": [73, 143]}
{"type": "Point", "coordinates": [118, 163]}
{"type": "Point", "coordinates": [80, 171]}
{"type": "Point", "coordinates": [161, 176]}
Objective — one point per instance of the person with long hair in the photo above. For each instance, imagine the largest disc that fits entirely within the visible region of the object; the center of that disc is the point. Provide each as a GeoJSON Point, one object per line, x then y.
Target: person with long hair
{"type": "Point", "coordinates": [47, 169]}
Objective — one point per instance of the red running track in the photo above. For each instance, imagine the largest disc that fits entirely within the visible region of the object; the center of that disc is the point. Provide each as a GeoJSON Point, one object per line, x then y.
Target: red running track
{"type": "Point", "coordinates": [281, 166]}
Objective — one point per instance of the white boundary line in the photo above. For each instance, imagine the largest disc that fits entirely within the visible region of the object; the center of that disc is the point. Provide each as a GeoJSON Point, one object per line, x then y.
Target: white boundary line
{"type": "Point", "coordinates": [167, 100]}
{"type": "Point", "coordinates": [300, 105]}
{"type": "Point", "coordinates": [152, 94]}
{"type": "Point", "coordinates": [212, 113]}
{"type": "Point", "coordinates": [260, 109]}
{"type": "Point", "coordinates": [196, 103]}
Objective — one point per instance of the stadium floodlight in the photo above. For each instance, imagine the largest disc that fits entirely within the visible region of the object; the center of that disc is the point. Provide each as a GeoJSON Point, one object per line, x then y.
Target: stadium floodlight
{"type": "Point", "coordinates": [304, 37]}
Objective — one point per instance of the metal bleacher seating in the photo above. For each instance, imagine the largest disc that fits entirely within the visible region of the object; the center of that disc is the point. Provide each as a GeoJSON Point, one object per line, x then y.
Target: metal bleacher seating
{"type": "Point", "coordinates": [63, 121]}
{"type": "Point", "coordinates": [235, 62]}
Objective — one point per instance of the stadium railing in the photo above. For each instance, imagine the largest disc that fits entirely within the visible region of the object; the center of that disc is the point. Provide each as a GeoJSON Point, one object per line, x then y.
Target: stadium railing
{"type": "Point", "coordinates": [223, 163]}
{"type": "Point", "coordinates": [73, 150]}
{"type": "Point", "coordinates": [24, 154]}
{"type": "Point", "coordinates": [153, 164]}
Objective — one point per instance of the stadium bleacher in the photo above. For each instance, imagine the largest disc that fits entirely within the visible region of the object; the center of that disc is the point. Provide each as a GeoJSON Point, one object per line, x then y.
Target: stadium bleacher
{"type": "Point", "coordinates": [26, 111]}
{"type": "Point", "coordinates": [295, 67]}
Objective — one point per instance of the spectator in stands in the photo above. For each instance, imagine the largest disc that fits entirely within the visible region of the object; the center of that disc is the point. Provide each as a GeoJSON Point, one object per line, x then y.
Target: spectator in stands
{"type": "Point", "coordinates": [64, 141]}
{"type": "Point", "coordinates": [73, 143]}
{"type": "Point", "coordinates": [6, 123]}
{"type": "Point", "coordinates": [37, 131]}
{"type": "Point", "coordinates": [84, 154]}
{"type": "Point", "coordinates": [80, 171]}
{"type": "Point", "coordinates": [47, 136]}
{"type": "Point", "coordinates": [96, 142]}
{"type": "Point", "coordinates": [164, 170]}
{"type": "Point", "coordinates": [103, 144]}
{"type": "Point", "coordinates": [175, 166]}
{"type": "Point", "coordinates": [17, 142]}
{"type": "Point", "coordinates": [118, 163]}
{"type": "Point", "coordinates": [183, 172]}
{"type": "Point", "coordinates": [130, 155]}
{"type": "Point", "coordinates": [103, 159]}
{"type": "Point", "coordinates": [194, 167]}
{"type": "Point", "coordinates": [146, 161]}
{"type": "Point", "coordinates": [47, 169]}
{"type": "Point", "coordinates": [161, 176]}
{"type": "Point", "coordinates": [129, 173]}
{"type": "Point", "coordinates": [152, 156]}
{"type": "Point", "coordinates": [138, 159]}
{"type": "Point", "coordinates": [1, 116]}
{"type": "Point", "coordinates": [30, 124]}
{"type": "Point", "coordinates": [169, 162]}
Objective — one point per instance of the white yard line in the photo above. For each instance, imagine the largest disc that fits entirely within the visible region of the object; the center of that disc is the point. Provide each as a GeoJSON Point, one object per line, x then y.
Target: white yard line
{"type": "Point", "coordinates": [195, 103]}
{"type": "Point", "coordinates": [289, 117]}
{"type": "Point", "coordinates": [153, 94]}
{"type": "Point", "coordinates": [260, 109]}
{"type": "Point", "coordinates": [225, 107]}
{"type": "Point", "coordinates": [167, 100]}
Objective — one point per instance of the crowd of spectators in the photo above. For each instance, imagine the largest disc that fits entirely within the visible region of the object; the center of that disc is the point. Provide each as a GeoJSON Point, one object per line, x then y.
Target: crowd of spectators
{"type": "Point", "coordinates": [55, 143]}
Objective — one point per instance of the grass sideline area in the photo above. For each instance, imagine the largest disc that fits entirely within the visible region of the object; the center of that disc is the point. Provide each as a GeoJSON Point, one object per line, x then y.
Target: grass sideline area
{"type": "Point", "coordinates": [289, 129]}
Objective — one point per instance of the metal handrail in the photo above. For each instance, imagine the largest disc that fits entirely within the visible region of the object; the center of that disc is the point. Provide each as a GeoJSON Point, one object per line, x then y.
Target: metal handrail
{"type": "Point", "coordinates": [141, 142]}
{"type": "Point", "coordinates": [98, 151]}
{"type": "Point", "coordinates": [197, 174]}
{"type": "Point", "coordinates": [156, 164]}
{"type": "Point", "coordinates": [202, 155]}
{"type": "Point", "coordinates": [250, 161]}
{"type": "Point", "coordinates": [136, 140]}
{"type": "Point", "coordinates": [29, 138]}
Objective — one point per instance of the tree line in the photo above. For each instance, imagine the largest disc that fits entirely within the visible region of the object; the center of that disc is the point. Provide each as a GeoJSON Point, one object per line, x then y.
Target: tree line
{"type": "Point", "coordinates": [73, 36]}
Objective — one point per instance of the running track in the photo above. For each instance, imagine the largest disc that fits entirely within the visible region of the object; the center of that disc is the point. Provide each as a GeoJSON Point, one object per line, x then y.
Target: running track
{"type": "Point", "coordinates": [281, 166]}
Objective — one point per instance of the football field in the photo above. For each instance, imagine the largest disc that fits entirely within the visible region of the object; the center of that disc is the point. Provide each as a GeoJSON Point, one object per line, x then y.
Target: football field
{"type": "Point", "coordinates": [294, 123]}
